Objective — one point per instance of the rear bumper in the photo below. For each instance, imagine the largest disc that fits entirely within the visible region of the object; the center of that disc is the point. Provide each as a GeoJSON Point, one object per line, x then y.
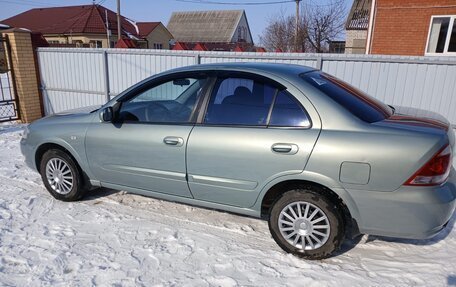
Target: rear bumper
{"type": "Point", "coordinates": [409, 212]}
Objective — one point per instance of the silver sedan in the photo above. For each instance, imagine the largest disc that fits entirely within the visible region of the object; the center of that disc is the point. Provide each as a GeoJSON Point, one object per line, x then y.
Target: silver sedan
{"type": "Point", "coordinates": [316, 157]}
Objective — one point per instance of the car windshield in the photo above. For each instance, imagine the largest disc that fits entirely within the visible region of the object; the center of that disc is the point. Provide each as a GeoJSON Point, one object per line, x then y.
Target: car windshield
{"type": "Point", "coordinates": [354, 100]}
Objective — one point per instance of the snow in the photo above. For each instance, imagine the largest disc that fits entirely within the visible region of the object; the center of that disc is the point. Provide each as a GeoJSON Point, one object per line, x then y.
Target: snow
{"type": "Point", "coordinates": [114, 238]}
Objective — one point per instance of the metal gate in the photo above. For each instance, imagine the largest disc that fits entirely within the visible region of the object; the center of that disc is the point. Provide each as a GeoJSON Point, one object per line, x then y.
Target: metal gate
{"type": "Point", "coordinates": [9, 107]}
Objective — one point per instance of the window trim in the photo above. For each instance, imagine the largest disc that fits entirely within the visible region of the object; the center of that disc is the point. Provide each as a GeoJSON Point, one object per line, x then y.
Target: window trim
{"type": "Point", "coordinates": [447, 38]}
{"type": "Point", "coordinates": [220, 75]}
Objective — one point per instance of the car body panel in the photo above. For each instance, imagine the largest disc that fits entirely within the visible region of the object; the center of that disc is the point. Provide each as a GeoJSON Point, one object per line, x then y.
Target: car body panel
{"type": "Point", "coordinates": [220, 171]}
{"type": "Point", "coordinates": [369, 147]}
{"type": "Point", "coordinates": [66, 130]}
{"type": "Point", "coordinates": [135, 155]}
{"type": "Point", "coordinates": [233, 168]}
{"type": "Point", "coordinates": [408, 212]}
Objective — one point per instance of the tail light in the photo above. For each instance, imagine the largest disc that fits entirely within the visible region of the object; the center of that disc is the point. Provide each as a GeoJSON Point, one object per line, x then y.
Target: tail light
{"type": "Point", "coordinates": [435, 171]}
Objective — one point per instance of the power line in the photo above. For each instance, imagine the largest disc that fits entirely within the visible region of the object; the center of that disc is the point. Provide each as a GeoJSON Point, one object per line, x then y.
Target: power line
{"type": "Point", "coordinates": [38, 3]}
{"type": "Point", "coordinates": [235, 3]}
{"type": "Point", "coordinates": [212, 2]}
{"type": "Point", "coordinates": [27, 3]}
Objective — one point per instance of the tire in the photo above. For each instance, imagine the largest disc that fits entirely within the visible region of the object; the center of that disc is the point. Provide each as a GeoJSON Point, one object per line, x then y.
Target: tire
{"type": "Point", "coordinates": [66, 185]}
{"type": "Point", "coordinates": [325, 211]}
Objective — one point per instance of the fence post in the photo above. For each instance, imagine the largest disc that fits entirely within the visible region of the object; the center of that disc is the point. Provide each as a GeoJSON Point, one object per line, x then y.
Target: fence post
{"type": "Point", "coordinates": [319, 63]}
{"type": "Point", "coordinates": [106, 75]}
{"type": "Point", "coordinates": [197, 59]}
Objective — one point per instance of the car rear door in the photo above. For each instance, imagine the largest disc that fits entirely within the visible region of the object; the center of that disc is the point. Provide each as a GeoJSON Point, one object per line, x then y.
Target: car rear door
{"type": "Point", "coordinates": [253, 131]}
{"type": "Point", "coordinates": [145, 147]}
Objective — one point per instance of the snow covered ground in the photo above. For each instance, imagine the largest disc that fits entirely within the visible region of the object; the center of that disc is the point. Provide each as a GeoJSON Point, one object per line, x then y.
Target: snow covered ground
{"type": "Point", "coordinates": [113, 238]}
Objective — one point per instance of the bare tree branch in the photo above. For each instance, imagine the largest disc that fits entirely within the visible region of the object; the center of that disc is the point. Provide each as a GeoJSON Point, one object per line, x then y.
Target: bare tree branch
{"type": "Point", "coordinates": [319, 24]}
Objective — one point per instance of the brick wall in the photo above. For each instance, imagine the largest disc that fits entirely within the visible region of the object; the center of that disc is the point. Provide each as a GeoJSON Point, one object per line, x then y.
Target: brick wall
{"type": "Point", "coordinates": [25, 74]}
{"type": "Point", "coordinates": [401, 26]}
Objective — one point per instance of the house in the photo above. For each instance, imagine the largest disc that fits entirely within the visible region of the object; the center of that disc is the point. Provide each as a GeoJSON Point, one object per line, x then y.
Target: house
{"type": "Point", "coordinates": [356, 28]}
{"type": "Point", "coordinates": [218, 30]}
{"type": "Point", "coordinates": [402, 27]}
{"type": "Point", "coordinates": [155, 35]}
{"type": "Point", "coordinates": [85, 26]}
{"type": "Point", "coordinates": [413, 27]}
{"type": "Point", "coordinates": [336, 47]}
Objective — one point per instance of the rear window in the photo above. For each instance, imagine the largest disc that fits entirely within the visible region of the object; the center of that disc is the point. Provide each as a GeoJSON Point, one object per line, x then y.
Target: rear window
{"type": "Point", "coordinates": [355, 101]}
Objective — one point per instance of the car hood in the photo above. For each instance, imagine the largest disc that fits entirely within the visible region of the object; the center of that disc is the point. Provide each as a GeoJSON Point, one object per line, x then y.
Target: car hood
{"type": "Point", "coordinates": [83, 110]}
{"type": "Point", "coordinates": [79, 115]}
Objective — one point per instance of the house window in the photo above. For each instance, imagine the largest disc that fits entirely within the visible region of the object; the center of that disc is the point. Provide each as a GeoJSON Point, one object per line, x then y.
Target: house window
{"type": "Point", "coordinates": [242, 33]}
{"type": "Point", "coordinates": [158, 46]}
{"type": "Point", "coordinates": [96, 44]}
{"type": "Point", "coordinates": [77, 43]}
{"type": "Point", "coordinates": [442, 36]}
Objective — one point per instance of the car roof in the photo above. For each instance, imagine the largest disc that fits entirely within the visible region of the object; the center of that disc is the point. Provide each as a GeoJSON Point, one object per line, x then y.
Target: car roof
{"type": "Point", "coordinates": [274, 68]}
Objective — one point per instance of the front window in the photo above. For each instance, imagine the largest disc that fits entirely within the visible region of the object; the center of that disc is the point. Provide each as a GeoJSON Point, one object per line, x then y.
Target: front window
{"type": "Point", "coordinates": [173, 101]}
{"type": "Point", "coordinates": [442, 36]}
{"type": "Point", "coordinates": [358, 103]}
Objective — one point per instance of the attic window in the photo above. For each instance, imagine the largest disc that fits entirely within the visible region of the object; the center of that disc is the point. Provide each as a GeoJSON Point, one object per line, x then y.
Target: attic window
{"type": "Point", "coordinates": [442, 36]}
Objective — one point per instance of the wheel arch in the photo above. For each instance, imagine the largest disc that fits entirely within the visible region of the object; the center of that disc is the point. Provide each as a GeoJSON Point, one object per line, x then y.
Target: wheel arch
{"type": "Point", "coordinates": [41, 150]}
{"type": "Point", "coordinates": [338, 195]}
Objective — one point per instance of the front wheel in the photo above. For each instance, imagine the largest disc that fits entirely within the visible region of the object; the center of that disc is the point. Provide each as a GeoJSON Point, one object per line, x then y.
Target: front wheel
{"type": "Point", "coordinates": [306, 223]}
{"type": "Point", "coordinates": [61, 175]}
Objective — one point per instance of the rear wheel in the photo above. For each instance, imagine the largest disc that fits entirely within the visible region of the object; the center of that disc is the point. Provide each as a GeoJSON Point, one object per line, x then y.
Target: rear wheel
{"type": "Point", "coordinates": [306, 223]}
{"type": "Point", "coordinates": [61, 175]}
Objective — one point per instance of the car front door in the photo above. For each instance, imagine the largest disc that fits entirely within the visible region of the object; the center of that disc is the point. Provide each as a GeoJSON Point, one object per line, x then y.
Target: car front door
{"type": "Point", "coordinates": [145, 146]}
{"type": "Point", "coordinates": [252, 132]}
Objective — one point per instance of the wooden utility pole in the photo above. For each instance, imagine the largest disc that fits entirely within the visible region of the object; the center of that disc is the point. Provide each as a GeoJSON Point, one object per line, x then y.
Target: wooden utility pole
{"type": "Point", "coordinates": [108, 32]}
{"type": "Point", "coordinates": [297, 26]}
{"type": "Point", "coordinates": [119, 31]}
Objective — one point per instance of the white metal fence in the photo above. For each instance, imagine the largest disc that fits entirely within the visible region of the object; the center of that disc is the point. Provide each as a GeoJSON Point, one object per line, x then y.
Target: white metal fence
{"type": "Point", "coordinates": [72, 78]}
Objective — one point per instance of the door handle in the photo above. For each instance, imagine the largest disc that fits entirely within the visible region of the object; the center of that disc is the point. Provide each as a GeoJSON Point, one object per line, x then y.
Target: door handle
{"type": "Point", "coordinates": [174, 141]}
{"type": "Point", "coordinates": [285, 148]}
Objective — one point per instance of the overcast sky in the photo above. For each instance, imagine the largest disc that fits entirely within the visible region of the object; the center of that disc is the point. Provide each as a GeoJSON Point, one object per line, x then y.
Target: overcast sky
{"type": "Point", "coordinates": [160, 10]}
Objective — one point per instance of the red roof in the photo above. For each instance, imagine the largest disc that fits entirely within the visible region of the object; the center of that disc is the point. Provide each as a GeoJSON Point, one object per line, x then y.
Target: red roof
{"type": "Point", "coordinates": [200, 47]}
{"type": "Point", "coordinates": [125, 43]}
{"type": "Point", "coordinates": [180, 46]}
{"type": "Point", "coordinates": [238, 48]}
{"type": "Point", "coordinates": [260, 50]}
{"type": "Point", "coordinates": [145, 28]}
{"type": "Point", "coordinates": [87, 19]}
{"type": "Point", "coordinates": [246, 47]}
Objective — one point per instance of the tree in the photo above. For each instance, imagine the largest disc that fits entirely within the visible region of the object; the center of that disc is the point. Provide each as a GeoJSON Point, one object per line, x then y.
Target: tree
{"type": "Point", "coordinates": [323, 24]}
{"type": "Point", "coordinates": [318, 25]}
{"type": "Point", "coordinates": [279, 34]}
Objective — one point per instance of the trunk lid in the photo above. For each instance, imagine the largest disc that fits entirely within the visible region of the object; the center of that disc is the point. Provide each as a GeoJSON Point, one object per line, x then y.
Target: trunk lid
{"type": "Point", "coordinates": [421, 119]}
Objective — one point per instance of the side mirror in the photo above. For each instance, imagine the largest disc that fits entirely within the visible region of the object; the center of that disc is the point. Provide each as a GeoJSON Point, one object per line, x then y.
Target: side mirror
{"type": "Point", "coordinates": [107, 114]}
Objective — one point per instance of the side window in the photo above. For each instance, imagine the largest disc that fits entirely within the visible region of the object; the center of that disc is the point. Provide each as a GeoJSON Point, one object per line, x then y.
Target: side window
{"type": "Point", "coordinates": [287, 112]}
{"type": "Point", "coordinates": [240, 101]}
{"type": "Point", "coordinates": [171, 102]}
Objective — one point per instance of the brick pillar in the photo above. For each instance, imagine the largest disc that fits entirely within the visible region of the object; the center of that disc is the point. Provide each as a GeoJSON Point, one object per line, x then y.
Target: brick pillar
{"type": "Point", "coordinates": [25, 74]}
